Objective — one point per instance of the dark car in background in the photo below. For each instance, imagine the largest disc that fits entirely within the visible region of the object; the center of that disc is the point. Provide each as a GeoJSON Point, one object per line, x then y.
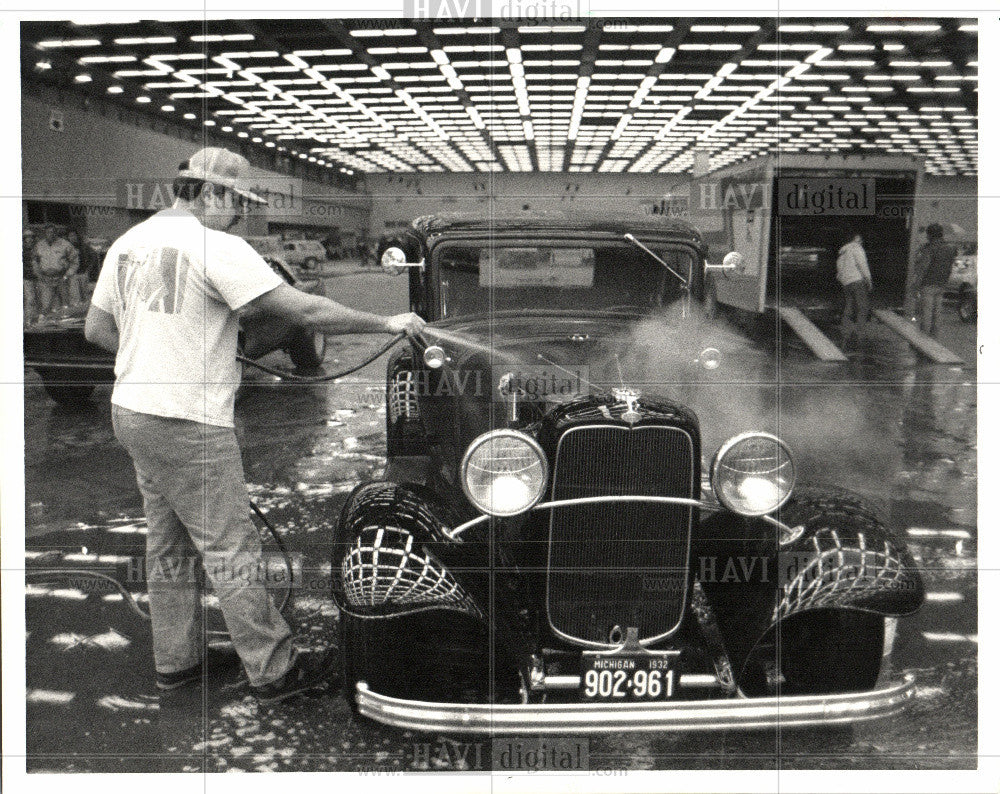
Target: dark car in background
{"type": "Point", "coordinates": [70, 366]}
{"type": "Point", "coordinates": [552, 548]}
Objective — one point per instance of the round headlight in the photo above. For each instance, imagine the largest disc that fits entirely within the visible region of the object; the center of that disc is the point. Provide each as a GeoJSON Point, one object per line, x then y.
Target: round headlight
{"type": "Point", "coordinates": [434, 357]}
{"type": "Point", "coordinates": [753, 474]}
{"type": "Point", "coordinates": [504, 472]}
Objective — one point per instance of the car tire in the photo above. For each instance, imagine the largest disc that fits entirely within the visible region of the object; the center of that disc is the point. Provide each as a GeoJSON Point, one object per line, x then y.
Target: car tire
{"type": "Point", "coordinates": [829, 651]}
{"type": "Point", "coordinates": [359, 647]}
{"type": "Point", "coordinates": [69, 394]}
{"type": "Point", "coordinates": [438, 655]}
{"type": "Point", "coordinates": [308, 349]}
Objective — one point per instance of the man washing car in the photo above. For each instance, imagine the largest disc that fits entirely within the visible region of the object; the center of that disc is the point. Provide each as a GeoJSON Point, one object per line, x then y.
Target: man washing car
{"type": "Point", "coordinates": [166, 302]}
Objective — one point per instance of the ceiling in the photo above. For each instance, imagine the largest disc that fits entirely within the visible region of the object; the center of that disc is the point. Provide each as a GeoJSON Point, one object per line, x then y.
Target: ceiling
{"type": "Point", "coordinates": [608, 95]}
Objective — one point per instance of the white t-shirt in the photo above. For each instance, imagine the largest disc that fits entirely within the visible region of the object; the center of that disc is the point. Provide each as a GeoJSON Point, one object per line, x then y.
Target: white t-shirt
{"type": "Point", "coordinates": [173, 287]}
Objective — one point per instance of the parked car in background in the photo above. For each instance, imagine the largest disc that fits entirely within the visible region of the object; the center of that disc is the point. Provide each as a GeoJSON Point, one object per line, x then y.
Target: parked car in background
{"type": "Point", "coordinates": [549, 551]}
{"type": "Point", "coordinates": [332, 245]}
{"type": "Point", "coordinates": [268, 246]}
{"type": "Point", "coordinates": [70, 366]}
{"type": "Point", "coordinates": [305, 254]}
{"type": "Point", "coordinates": [964, 280]}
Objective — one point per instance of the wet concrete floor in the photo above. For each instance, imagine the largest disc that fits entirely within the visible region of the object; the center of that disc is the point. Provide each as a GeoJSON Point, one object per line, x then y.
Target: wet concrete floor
{"type": "Point", "coordinates": [889, 425]}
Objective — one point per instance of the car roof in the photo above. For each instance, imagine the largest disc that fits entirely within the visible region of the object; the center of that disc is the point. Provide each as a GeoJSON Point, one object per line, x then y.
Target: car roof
{"type": "Point", "coordinates": [616, 223]}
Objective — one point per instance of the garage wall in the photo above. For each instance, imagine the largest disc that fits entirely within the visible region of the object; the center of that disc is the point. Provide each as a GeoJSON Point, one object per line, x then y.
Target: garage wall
{"type": "Point", "coordinates": [398, 198]}
{"type": "Point", "coordinates": [84, 164]}
{"type": "Point", "coordinates": [948, 199]}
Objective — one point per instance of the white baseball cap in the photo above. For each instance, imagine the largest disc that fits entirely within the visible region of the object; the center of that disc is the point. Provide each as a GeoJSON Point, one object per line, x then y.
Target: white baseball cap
{"type": "Point", "coordinates": [221, 167]}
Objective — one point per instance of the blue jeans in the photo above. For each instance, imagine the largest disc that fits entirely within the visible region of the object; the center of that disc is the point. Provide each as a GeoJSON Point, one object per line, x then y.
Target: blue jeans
{"type": "Point", "coordinates": [931, 298]}
{"type": "Point", "coordinates": [857, 305]}
{"type": "Point", "coordinates": [192, 483]}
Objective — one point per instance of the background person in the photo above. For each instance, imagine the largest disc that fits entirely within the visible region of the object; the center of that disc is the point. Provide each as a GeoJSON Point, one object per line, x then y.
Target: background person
{"type": "Point", "coordinates": [856, 281]}
{"type": "Point", "coordinates": [70, 291]}
{"type": "Point", "coordinates": [166, 302]}
{"type": "Point", "coordinates": [931, 270]}
{"type": "Point", "coordinates": [53, 257]}
{"type": "Point", "coordinates": [90, 261]}
{"type": "Point", "coordinates": [30, 279]}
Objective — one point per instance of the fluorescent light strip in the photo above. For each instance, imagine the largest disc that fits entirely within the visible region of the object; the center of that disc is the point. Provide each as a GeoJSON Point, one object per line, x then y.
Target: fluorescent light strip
{"type": "Point", "coordinates": [226, 37]}
{"type": "Point", "coordinates": [812, 28]}
{"type": "Point", "coordinates": [63, 43]}
{"type": "Point", "coordinates": [107, 59]}
{"type": "Point", "coordinates": [466, 31]}
{"type": "Point", "coordinates": [724, 28]}
{"type": "Point", "coordinates": [902, 28]}
{"type": "Point", "coordinates": [147, 40]}
{"type": "Point", "coordinates": [551, 29]}
{"type": "Point", "coordinates": [615, 27]}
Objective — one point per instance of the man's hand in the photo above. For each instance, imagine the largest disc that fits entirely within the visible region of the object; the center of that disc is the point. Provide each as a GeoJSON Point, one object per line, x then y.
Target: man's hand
{"type": "Point", "coordinates": [408, 323]}
{"type": "Point", "coordinates": [330, 317]}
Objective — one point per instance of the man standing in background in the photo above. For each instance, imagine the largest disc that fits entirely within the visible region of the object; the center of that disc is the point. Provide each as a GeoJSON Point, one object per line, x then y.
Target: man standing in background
{"type": "Point", "coordinates": [856, 280]}
{"type": "Point", "coordinates": [931, 271]}
{"type": "Point", "coordinates": [30, 279]}
{"type": "Point", "coordinates": [54, 259]}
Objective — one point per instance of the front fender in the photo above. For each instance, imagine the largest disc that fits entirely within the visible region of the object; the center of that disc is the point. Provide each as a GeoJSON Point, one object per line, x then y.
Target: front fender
{"type": "Point", "coordinates": [840, 557]}
{"type": "Point", "coordinates": [392, 556]}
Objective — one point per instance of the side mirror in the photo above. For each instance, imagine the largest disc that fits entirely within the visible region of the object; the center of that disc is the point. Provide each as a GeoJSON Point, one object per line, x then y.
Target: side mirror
{"type": "Point", "coordinates": [394, 261]}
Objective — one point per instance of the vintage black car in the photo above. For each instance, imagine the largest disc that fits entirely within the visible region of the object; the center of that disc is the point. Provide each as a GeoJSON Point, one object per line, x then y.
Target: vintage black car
{"type": "Point", "coordinates": [70, 366]}
{"type": "Point", "coordinates": [549, 552]}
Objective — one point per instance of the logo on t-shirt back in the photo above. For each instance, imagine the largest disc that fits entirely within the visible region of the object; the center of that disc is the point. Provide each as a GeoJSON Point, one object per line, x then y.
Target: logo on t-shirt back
{"type": "Point", "coordinates": [156, 278]}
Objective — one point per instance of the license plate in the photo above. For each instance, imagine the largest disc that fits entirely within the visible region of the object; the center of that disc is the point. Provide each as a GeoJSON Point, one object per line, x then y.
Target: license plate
{"type": "Point", "coordinates": [628, 676]}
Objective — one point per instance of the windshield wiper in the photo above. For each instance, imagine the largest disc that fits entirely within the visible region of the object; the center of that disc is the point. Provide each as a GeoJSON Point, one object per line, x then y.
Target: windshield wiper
{"type": "Point", "coordinates": [684, 282]}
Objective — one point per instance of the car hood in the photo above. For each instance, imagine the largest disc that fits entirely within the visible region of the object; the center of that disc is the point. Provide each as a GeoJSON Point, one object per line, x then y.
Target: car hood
{"type": "Point", "coordinates": [603, 349]}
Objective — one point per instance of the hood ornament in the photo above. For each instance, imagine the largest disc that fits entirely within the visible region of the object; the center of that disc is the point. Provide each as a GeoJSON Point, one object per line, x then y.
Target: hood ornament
{"type": "Point", "coordinates": [631, 399]}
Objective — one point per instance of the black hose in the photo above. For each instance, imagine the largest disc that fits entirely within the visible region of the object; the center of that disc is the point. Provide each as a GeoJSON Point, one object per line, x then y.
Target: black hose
{"type": "Point", "coordinates": [284, 374]}
{"type": "Point", "coordinates": [58, 573]}
{"type": "Point", "coordinates": [284, 555]}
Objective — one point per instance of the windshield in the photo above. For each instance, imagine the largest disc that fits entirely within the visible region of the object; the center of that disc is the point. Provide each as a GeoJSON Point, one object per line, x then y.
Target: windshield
{"type": "Point", "coordinates": [478, 278]}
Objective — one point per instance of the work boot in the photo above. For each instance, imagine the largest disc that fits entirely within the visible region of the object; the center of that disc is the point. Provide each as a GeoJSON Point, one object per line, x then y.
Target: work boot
{"type": "Point", "coordinates": [167, 682]}
{"type": "Point", "coordinates": [302, 676]}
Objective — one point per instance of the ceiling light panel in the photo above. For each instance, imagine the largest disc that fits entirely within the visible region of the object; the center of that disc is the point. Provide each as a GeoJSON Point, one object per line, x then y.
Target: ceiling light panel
{"type": "Point", "coordinates": [387, 95]}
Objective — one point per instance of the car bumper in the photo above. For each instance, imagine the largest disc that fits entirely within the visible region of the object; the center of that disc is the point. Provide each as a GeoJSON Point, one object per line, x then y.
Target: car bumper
{"type": "Point", "coordinates": [677, 716]}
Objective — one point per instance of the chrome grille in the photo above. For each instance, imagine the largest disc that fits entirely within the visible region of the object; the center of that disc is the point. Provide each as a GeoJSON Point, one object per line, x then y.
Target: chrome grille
{"type": "Point", "coordinates": [620, 564]}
